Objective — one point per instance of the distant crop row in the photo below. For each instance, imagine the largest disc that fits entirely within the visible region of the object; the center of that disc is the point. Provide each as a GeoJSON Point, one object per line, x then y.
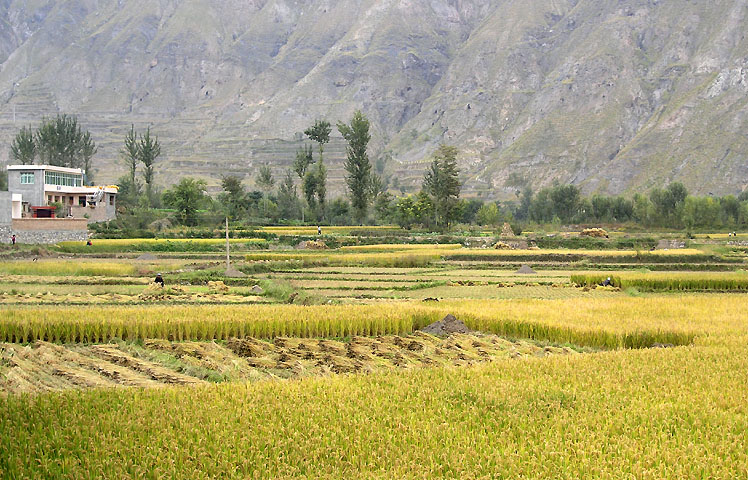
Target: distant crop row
{"type": "Point", "coordinates": [668, 281]}
{"type": "Point", "coordinates": [110, 245]}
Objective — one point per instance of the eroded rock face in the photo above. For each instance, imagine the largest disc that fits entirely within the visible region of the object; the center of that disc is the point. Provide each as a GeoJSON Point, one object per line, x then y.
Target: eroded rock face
{"type": "Point", "coordinates": [609, 95]}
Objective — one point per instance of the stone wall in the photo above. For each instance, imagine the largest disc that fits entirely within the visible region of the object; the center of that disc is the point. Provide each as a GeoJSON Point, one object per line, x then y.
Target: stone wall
{"type": "Point", "coordinates": [42, 236]}
{"type": "Point", "coordinates": [44, 230]}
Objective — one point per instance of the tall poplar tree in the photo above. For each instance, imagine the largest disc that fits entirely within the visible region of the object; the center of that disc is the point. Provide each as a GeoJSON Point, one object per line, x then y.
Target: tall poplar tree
{"type": "Point", "coordinates": [357, 164]}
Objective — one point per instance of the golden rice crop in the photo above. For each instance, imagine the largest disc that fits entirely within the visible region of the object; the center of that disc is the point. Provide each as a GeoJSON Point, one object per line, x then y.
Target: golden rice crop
{"type": "Point", "coordinates": [62, 267]}
{"type": "Point", "coordinates": [401, 247]}
{"type": "Point", "coordinates": [607, 323]}
{"type": "Point", "coordinates": [101, 324]}
{"type": "Point", "coordinates": [664, 281]}
{"type": "Point", "coordinates": [372, 259]}
{"type": "Point", "coordinates": [647, 414]}
{"type": "Point", "coordinates": [590, 253]}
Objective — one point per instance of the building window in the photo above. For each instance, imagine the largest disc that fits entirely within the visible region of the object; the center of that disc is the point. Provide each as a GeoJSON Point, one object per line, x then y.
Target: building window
{"type": "Point", "coordinates": [111, 199]}
{"type": "Point", "coordinates": [63, 179]}
{"type": "Point", "coordinates": [49, 199]}
{"type": "Point", "coordinates": [82, 200]}
{"type": "Point", "coordinates": [27, 178]}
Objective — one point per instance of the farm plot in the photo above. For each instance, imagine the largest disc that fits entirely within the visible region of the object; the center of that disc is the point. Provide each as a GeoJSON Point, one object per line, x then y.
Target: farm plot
{"type": "Point", "coordinates": [43, 366]}
{"type": "Point", "coordinates": [669, 281]}
{"type": "Point", "coordinates": [667, 413]}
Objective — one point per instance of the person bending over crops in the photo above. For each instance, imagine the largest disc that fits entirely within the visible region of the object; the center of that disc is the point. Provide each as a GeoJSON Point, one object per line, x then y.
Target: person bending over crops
{"type": "Point", "coordinates": [159, 279]}
{"type": "Point", "coordinates": [607, 282]}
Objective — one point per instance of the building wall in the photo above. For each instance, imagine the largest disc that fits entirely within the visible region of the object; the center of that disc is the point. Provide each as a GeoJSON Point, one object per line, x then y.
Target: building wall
{"type": "Point", "coordinates": [50, 224]}
{"type": "Point", "coordinates": [33, 194]}
{"type": "Point", "coordinates": [5, 207]}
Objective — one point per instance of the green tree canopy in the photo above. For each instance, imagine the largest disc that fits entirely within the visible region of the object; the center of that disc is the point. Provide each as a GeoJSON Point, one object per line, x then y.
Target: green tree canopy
{"type": "Point", "coordinates": [442, 184]}
{"type": "Point", "coordinates": [130, 153]}
{"type": "Point", "coordinates": [357, 165]}
{"type": "Point", "coordinates": [23, 148]}
{"type": "Point", "coordinates": [186, 197]}
{"type": "Point", "coordinates": [266, 182]}
{"type": "Point", "coordinates": [149, 149]}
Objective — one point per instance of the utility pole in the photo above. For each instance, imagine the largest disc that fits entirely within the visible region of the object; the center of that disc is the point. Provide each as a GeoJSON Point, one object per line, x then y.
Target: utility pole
{"type": "Point", "coordinates": [228, 261]}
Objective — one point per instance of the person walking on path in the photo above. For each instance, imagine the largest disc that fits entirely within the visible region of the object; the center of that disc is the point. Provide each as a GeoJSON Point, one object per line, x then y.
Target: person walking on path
{"type": "Point", "coordinates": [13, 239]}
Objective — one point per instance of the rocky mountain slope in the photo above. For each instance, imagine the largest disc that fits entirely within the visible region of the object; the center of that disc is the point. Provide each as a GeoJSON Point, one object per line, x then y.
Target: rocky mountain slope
{"type": "Point", "coordinates": [612, 95]}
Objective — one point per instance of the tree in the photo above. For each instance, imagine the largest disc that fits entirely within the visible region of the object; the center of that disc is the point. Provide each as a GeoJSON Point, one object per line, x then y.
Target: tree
{"type": "Point", "coordinates": [566, 200]}
{"type": "Point", "coordinates": [309, 188]}
{"type": "Point", "coordinates": [266, 182]}
{"type": "Point", "coordinates": [489, 214]}
{"type": "Point", "coordinates": [357, 164]}
{"type": "Point", "coordinates": [130, 153]}
{"type": "Point", "coordinates": [23, 148]}
{"type": "Point", "coordinates": [320, 133]}
{"type": "Point", "coordinates": [149, 149]}
{"type": "Point", "coordinates": [234, 197]}
{"type": "Point", "coordinates": [288, 200]}
{"type": "Point", "coordinates": [321, 186]}
{"type": "Point", "coordinates": [525, 200]}
{"type": "Point", "coordinates": [185, 197]}
{"type": "Point", "coordinates": [304, 158]}
{"type": "Point", "coordinates": [60, 142]}
{"type": "Point", "coordinates": [442, 184]}
{"type": "Point", "coordinates": [383, 205]}
{"type": "Point", "coordinates": [88, 150]}
{"type": "Point", "coordinates": [405, 214]}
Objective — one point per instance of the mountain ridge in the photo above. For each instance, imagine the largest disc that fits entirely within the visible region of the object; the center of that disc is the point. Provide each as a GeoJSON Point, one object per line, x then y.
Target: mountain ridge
{"type": "Point", "coordinates": [614, 96]}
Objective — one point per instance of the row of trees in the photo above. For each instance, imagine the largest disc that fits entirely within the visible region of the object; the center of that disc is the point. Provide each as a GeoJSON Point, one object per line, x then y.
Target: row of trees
{"type": "Point", "coordinates": [57, 141]}
{"type": "Point", "coordinates": [139, 150]}
{"type": "Point", "coordinates": [441, 186]}
{"type": "Point", "coordinates": [670, 207]}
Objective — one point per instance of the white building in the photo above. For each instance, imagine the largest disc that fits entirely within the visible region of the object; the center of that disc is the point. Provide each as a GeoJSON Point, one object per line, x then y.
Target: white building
{"type": "Point", "coordinates": [27, 209]}
{"type": "Point", "coordinates": [35, 189]}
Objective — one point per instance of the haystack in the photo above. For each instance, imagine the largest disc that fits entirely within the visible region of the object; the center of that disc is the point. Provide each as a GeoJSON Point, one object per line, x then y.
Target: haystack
{"type": "Point", "coordinates": [502, 246]}
{"type": "Point", "coordinates": [594, 232]}
{"type": "Point", "coordinates": [506, 231]}
{"type": "Point", "coordinates": [312, 245]}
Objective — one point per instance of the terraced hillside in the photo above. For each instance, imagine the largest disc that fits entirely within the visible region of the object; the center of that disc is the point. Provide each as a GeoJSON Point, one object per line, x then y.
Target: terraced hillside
{"type": "Point", "coordinates": [611, 95]}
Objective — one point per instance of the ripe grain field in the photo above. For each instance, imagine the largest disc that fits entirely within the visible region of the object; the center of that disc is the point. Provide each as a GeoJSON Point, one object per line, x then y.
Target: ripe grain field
{"type": "Point", "coordinates": [330, 378]}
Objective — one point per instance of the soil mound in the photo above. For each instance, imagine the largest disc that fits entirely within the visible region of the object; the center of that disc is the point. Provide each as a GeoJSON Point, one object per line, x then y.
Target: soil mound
{"type": "Point", "coordinates": [147, 256]}
{"type": "Point", "coordinates": [446, 326]}
{"type": "Point", "coordinates": [234, 273]}
{"type": "Point", "coordinates": [526, 270]}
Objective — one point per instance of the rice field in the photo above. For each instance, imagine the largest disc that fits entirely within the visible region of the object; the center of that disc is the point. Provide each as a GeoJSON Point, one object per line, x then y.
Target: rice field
{"type": "Point", "coordinates": [669, 281]}
{"type": "Point", "coordinates": [105, 376]}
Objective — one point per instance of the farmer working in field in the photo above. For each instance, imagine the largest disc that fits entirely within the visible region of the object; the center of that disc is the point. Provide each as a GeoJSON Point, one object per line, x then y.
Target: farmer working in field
{"type": "Point", "coordinates": [607, 282]}
{"type": "Point", "coordinates": [159, 279]}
